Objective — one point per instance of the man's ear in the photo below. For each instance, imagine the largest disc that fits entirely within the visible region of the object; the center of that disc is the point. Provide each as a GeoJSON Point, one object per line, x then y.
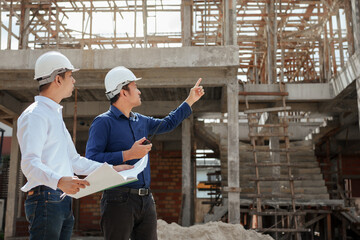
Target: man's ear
{"type": "Point", "coordinates": [57, 80]}
{"type": "Point", "coordinates": [123, 93]}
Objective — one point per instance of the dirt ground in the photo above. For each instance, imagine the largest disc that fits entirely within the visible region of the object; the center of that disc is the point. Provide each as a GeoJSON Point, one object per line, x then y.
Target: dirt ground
{"type": "Point", "coordinates": [208, 231]}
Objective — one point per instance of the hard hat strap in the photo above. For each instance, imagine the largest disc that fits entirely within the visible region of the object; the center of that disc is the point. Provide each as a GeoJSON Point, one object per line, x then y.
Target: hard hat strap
{"type": "Point", "coordinates": [51, 77]}
{"type": "Point", "coordinates": [114, 92]}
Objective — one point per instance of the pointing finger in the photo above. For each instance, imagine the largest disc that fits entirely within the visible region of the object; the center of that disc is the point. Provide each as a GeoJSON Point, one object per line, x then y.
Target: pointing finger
{"type": "Point", "coordinates": [198, 82]}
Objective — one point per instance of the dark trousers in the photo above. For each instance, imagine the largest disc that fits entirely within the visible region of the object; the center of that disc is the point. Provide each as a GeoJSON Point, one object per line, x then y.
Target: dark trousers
{"type": "Point", "coordinates": [125, 215]}
{"type": "Point", "coordinates": [49, 216]}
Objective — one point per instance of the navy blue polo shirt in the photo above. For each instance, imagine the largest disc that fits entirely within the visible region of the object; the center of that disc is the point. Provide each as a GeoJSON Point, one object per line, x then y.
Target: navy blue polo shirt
{"type": "Point", "coordinates": [112, 132]}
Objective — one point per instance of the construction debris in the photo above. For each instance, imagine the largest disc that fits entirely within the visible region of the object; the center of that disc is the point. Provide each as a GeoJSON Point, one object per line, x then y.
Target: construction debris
{"type": "Point", "coordinates": [208, 231]}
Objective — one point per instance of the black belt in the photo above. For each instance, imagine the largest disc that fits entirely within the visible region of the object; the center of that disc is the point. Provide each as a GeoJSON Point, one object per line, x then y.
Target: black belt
{"type": "Point", "coordinates": [41, 188]}
{"type": "Point", "coordinates": [140, 191]}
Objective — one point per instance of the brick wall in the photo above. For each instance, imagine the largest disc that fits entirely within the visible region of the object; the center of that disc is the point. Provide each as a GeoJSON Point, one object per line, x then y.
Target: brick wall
{"type": "Point", "coordinates": [166, 178]}
{"type": "Point", "coordinates": [165, 184]}
{"type": "Point", "coordinates": [89, 212]}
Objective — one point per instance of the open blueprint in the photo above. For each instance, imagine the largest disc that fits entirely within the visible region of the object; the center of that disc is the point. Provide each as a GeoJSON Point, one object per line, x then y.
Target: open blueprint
{"type": "Point", "coordinates": [106, 177]}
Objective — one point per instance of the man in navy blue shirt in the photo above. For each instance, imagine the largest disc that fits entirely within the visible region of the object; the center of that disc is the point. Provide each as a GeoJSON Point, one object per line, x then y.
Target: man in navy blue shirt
{"type": "Point", "coordinates": [118, 136]}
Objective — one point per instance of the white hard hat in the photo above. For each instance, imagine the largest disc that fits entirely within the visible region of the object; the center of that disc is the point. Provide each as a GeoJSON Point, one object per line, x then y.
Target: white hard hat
{"type": "Point", "coordinates": [116, 78]}
{"type": "Point", "coordinates": [49, 65]}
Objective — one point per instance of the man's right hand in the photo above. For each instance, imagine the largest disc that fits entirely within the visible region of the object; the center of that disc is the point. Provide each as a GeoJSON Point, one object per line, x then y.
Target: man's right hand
{"type": "Point", "coordinates": [71, 185]}
{"type": "Point", "coordinates": [137, 150]}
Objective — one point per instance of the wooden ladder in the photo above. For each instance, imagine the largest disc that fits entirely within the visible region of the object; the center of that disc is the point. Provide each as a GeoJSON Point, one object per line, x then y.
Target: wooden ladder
{"type": "Point", "coordinates": [253, 116]}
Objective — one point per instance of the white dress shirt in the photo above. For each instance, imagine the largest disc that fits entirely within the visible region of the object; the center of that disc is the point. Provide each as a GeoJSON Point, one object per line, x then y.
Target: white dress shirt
{"type": "Point", "coordinates": [47, 151]}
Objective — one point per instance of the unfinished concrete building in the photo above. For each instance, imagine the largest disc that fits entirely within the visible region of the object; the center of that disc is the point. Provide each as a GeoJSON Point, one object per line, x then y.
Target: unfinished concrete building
{"type": "Point", "coordinates": [276, 135]}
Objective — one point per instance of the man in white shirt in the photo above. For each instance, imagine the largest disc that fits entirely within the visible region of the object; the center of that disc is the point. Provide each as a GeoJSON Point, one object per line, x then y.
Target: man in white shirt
{"type": "Point", "coordinates": [49, 158]}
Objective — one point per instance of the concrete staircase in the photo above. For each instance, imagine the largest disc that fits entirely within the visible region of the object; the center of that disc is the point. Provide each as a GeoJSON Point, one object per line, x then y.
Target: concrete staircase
{"type": "Point", "coordinates": [309, 183]}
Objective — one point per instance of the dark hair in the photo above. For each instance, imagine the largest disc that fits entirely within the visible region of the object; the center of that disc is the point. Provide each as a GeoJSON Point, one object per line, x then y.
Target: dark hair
{"type": "Point", "coordinates": [46, 86]}
{"type": "Point", "coordinates": [116, 97]}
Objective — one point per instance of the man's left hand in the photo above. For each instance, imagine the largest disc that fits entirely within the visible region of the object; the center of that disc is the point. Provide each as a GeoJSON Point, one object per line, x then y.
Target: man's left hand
{"type": "Point", "coordinates": [122, 167]}
{"type": "Point", "coordinates": [195, 93]}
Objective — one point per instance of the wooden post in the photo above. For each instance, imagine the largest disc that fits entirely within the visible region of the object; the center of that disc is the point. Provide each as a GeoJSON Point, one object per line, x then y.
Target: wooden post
{"type": "Point", "coordinates": [57, 27]}
{"type": "Point", "coordinates": [91, 23]}
{"type": "Point", "coordinates": [186, 216]}
{"type": "Point", "coordinates": [135, 16]}
{"type": "Point", "coordinates": [144, 10]}
{"type": "Point", "coordinates": [12, 197]}
{"type": "Point", "coordinates": [233, 150]}
{"type": "Point", "coordinates": [186, 22]}
{"type": "Point", "coordinates": [10, 26]}
{"type": "Point", "coordinates": [328, 225]}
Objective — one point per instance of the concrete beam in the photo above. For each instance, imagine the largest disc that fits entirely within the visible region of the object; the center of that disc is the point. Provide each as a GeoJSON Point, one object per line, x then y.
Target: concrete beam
{"type": "Point", "coordinates": [149, 108]}
{"type": "Point", "coordinates": [151, 78]}
{"type": "Point", "coordinates": [297, 130]}
{"type": "Point", "coordinates": [297, 92]}
{"type": "Point", "coordinates": [187, 57]}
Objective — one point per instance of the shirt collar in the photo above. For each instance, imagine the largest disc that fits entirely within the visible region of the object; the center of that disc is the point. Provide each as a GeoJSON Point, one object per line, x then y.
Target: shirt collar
{"type": "Point", "coordinates": [118, 113]}
{"type": "Point", "coordinates": [52, 104]}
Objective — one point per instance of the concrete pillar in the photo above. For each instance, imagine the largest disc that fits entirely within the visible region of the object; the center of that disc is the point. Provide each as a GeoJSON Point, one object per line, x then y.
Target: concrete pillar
{"type": "Point", "coordinates": [187, 179]}
{"type": "Point", "coordinates": [186, 22]}
{"type": "Point", "coordinates": [24, 28]}
{"type": "Point", "coordinates": [230, 34]}
{"type": "Point", "coordinates": [233, 151]}
{"type": "Point", "coordinates": [12, 198]}
{"type": "Point", "coordinates": [271, 30]}
{"type": "Point", "coordinates": [275, 156]}
{"type": "Point", "coordinates": [355, 6]}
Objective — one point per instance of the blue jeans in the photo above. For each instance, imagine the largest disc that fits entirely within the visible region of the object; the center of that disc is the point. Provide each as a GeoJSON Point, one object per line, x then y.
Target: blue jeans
{"type": "Point", "coordinates": [49, 216]}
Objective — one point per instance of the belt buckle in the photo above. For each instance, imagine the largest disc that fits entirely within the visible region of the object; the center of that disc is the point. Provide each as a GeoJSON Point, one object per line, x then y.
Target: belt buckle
{"type": "Point", "coordinates": [143, 192]}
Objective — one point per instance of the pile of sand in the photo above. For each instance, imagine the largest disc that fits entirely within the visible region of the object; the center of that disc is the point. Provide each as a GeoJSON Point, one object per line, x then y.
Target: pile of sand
{"type": "Point", "coordinates": [208, 231]}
